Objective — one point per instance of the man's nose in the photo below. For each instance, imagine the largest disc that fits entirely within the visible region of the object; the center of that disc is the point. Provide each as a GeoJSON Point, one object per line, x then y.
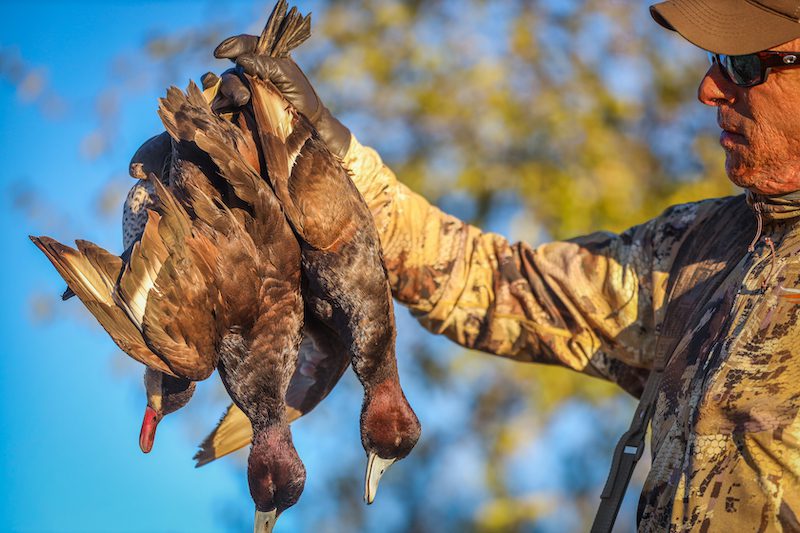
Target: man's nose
{"type": "Point", "coordinates": [715, 89]}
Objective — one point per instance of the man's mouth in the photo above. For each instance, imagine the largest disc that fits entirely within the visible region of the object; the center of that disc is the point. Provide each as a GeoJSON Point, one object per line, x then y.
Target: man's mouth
{"type": "Point", "coordinates": [730, 136]}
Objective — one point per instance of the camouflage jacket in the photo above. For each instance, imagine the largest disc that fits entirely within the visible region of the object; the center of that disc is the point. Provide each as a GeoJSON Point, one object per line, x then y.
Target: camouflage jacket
{"type": "Point", "coordinates": [683, 288]}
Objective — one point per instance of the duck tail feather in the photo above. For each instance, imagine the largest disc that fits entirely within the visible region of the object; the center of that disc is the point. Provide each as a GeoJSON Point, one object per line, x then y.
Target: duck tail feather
{"type": "Point", "coordinates": [196, 97]}
{"type": "Point", "coordinates": [182, 113]}
{"type": "Point", "coordinates": [302, 31]}
{"type": "Point", "coordinates": [268, 36]}
{"type": "Point", "coordinates": [294, 31]}
{"type": "Point", "coordinates": [190, 118]}
{"type": "Point", "coordinates": [284, 31]}
{"type": "Point", "coordinates": [232, 433]}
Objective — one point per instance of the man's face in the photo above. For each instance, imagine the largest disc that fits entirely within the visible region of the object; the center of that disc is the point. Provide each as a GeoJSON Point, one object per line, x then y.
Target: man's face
{"type": "Point", "coordinates": [761, 127]}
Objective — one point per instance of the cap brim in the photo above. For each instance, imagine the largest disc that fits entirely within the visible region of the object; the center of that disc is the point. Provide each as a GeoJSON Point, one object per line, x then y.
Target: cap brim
{"type": "Point", "coordinates": [733, 27]}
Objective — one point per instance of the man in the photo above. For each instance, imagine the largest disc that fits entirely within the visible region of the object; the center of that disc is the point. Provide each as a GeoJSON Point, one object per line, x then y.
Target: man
{"type": "Point", "coordinates": [704, 299]}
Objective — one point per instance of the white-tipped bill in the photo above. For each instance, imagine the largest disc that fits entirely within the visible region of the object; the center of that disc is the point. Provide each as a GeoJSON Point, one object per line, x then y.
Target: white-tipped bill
{"type": "Point", "coordinates": [264, 522]}
{"type": "Point", "coordinates": [376, 467]}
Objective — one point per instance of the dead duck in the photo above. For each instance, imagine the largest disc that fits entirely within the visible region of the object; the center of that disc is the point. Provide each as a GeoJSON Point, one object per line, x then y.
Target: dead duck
{"type": "Point", "coordinates": [209, 286]}
{"type": "Point", "coordinates": [347, 288]}
{"type": "Point", "coordinates": [320, 364]}
{"type": "Point", "coordinates": [321, 360]}
{"type": "Point", "coordinates": [255, 368]}
{"type": "Point", "coordinates": [165, 393]}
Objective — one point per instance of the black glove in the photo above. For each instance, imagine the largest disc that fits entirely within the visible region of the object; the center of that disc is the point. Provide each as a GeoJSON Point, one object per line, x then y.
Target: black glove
{"type": "Point", "coordinates": [290, 81]}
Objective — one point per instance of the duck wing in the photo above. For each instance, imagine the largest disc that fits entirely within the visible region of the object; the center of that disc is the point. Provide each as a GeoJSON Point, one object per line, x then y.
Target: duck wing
{"type": "Point", "coordinates": [322, 362]}
{"type": "Point", "coordinates": [303, 172]}
{"type": "Point", "coordinates": [168, 289]}
{"type": "Point", "coordinates": [156, 305]}
{"type": "Point", "coordinates": [140, 198]}
{"type": "Point", "coordinates": [233, 432]}
{"type": "Point", "coordinates": [91, 273]}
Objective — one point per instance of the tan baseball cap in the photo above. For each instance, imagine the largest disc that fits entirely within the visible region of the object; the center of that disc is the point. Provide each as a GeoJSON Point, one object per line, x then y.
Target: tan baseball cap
{"type": "Point", "coordinates": [733, 27]}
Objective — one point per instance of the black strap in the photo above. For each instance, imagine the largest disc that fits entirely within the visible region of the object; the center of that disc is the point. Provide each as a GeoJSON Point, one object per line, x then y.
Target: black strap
{"type": "Point", "coordinates": [627, 453]}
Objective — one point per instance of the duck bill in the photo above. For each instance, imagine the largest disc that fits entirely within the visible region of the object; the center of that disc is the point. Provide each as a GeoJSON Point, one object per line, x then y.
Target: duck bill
{"type": "Point", "coordinates": [376, 467]}
{"type": "Point", "coordinates": [265, 521]}
{"type": "Point", "coordinates": [147, 435]}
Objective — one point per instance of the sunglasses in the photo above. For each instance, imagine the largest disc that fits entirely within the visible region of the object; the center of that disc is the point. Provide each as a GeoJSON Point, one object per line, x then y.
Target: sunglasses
{"type": "Point", "coordinates": [752, 69]}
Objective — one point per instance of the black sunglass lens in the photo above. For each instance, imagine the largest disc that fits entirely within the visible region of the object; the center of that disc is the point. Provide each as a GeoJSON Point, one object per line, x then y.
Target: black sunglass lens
{"type": "Point", "coordinates": [743, 70]}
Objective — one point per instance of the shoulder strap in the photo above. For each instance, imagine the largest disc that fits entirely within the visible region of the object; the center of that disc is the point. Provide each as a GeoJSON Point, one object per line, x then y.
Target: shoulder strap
{"type": "Point", "coordinates": [626, 455]}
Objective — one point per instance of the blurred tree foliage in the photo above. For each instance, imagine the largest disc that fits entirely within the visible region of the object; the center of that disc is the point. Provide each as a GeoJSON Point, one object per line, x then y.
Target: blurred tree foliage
{"type": "Point", "coordinates": [583, 113]}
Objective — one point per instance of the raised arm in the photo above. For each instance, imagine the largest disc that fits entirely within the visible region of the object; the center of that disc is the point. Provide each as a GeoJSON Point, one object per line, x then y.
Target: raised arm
{"type": "Point", "coordinates": [586, 304]}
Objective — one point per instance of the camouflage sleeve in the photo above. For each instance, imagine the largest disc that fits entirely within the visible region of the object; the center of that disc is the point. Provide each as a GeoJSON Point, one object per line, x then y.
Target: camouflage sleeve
{"type": "Point", "coordinates": [586, 304]}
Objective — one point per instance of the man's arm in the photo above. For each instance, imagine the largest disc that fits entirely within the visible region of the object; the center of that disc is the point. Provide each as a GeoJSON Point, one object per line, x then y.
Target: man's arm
{"type": "Point", "coordinates": [586, 304]}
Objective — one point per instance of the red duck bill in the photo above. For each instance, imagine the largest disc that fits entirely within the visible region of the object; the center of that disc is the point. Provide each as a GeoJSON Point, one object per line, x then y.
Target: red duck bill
{"type": "Point", "coordinates": [147, 435]}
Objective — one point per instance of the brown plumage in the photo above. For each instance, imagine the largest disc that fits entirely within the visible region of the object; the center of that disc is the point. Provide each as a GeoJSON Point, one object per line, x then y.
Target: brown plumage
{"type": "Point", "coordinates": [347, 289]}
{"type": "Point", "coordinates": [214, 280]}
{"type": "Point", "coordinates": [165, 393]}
{"type": "Point", "coordinates": [259, 279]}
{"type": "Point", "coordinates": [320, 364]}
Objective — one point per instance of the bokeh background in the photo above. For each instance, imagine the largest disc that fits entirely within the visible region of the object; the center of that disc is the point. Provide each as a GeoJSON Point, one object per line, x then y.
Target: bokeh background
{"type": "Point", "coordinates": [539, 119]}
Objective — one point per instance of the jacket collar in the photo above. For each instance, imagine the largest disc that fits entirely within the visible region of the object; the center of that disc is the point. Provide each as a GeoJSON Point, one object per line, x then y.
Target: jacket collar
{"type": "Point", "coordinates": [781, 207]}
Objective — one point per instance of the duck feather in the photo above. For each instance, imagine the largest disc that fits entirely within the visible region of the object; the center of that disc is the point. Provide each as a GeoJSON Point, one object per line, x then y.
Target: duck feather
{"type": "Point", "coordinates": [94, 287]}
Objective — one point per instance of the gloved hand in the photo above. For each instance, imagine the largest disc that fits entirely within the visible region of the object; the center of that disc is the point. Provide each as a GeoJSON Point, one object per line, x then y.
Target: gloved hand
{"type": "Point", "coordinates": [284, 73]}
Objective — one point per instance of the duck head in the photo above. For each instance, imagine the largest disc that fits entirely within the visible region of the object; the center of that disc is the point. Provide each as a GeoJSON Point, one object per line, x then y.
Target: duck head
{"type": "Point", "coordinates": [389, 431]}
{"type": "Point", "coordinates": [165, 395]}
{"type": "Point", "coordinates": [276, 475]}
